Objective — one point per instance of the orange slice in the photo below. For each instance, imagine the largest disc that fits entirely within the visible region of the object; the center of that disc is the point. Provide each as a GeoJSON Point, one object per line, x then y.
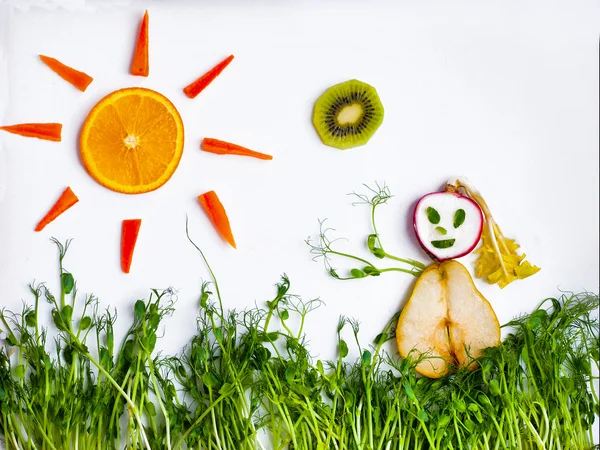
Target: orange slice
{"type": "Point", "coordinates": [132, 141]}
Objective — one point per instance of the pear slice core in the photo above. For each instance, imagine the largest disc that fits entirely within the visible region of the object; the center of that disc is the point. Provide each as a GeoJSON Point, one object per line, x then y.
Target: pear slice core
{"type": "Point", "coordinates": [447, 319]}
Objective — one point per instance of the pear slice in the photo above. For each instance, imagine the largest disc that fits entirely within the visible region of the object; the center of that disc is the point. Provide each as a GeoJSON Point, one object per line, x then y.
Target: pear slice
{"type": "Point", "coordinates": [447, 319]}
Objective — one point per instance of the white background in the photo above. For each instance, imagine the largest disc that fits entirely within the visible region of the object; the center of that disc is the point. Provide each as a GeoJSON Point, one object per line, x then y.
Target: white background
{"type": "Point", "coordinates": [503, 92]}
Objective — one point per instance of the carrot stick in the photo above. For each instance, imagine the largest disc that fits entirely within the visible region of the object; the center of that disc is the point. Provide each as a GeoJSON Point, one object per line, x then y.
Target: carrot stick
{"type": "Point", "coordinates": [47, 131]}
{"type": "Point", "coordinates": [78, 79]}
{"type": "Point", "coordinates": [227, 148]}
{"type": "Point", "coordinates": [66, 200]}
{"type": "Point", "coordinates": [139, 64]}
{"type": "Point", "coordinates": [129, 233]}
{"type": "Point", "coordinates": [201, 83]}
{"type": "Point", "coordinates": [216, 212]}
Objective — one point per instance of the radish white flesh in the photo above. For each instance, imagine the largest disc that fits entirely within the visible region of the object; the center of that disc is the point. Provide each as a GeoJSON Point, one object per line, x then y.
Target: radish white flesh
{"type": "Point", "coordinates": [447, 224]}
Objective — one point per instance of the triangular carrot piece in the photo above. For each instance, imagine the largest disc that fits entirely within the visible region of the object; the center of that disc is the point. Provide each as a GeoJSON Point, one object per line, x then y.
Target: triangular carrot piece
{"type": "Point", "coordinates": [140, 64]}
{"type": "Point", "coordinates": [216, 213]}
{"type": "Point", "coordinates": [47, 131]}
{"type": "Point", "coordinates": [129, 234]}
{"type": "Point", "coordinates": [227, 148]}
{"type": "Point", "coordinates": [66, 200]}
{"type": "Point", "coordinates": [78, 79]}
{"type": "Point", "coordinates": [201, 83]}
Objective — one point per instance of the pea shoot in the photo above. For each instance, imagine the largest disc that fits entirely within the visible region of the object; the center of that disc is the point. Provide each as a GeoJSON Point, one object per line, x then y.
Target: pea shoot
{"type": "Point", "coordinates": [248, 380]}
{"type": "Point", "coordinates": [324, 248]}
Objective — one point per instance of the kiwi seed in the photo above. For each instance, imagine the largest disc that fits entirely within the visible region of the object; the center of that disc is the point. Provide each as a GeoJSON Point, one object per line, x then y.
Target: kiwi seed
{"type": "Point", "coordinates": [348, 114]}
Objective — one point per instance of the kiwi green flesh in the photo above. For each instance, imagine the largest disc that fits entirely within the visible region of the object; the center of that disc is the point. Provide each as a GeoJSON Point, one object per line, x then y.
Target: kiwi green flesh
{"type": "Point", "coordinates": [348, 114]}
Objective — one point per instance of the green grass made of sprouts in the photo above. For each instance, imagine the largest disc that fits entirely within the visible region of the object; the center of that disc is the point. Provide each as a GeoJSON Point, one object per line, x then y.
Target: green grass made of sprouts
{"type": "Point", "coordinates": [247, 380]}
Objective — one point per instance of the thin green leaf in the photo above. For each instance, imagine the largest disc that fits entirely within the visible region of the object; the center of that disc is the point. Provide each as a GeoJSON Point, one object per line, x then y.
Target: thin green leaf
{"type": "Point", "coordinates": [459, 217]}
{"type": "Point", "coordinates": [432, 215]}
{"type": "Point", "coordinates": [67, 282]}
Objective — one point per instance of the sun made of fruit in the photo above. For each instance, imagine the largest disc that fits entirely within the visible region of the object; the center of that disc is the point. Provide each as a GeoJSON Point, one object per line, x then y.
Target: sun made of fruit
{"type": "Point", "coordinates": [132, 140]}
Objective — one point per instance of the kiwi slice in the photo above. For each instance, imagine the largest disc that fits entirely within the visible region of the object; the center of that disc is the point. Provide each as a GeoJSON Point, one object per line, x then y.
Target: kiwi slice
{"type": "Point", "coordinates": [348, 114]}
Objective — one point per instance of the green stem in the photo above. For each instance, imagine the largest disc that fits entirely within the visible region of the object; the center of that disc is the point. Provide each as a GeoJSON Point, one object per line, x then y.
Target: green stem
{"type": "Point", "coordinates": [201, 416]}
{"type": "Point", "coordinates": [356, 258]}
{"type": "Point", "coordinates": [398, 269]}
{"type": "Point", "coordinates": [212, 274]}
{"type": "Point", "coordinates": [132, 408]}
{"type": "Point", "coordinates": [410, 262]}
{"type": "Point", "coordinates": [531, 428]}
{"type": "Point", "coordinates": [160, 403]}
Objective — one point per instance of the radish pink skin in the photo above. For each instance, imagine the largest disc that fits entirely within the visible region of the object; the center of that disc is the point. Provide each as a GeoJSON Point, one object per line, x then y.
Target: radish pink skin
{"type": "Point", "coordinates": [466, 252]}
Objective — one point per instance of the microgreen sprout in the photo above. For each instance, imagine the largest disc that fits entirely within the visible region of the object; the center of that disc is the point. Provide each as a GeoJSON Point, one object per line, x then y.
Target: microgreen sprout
{"type": "Point", "coordinates": [324, 247]}
{"type": "Point", "coordinates": [247, 380]}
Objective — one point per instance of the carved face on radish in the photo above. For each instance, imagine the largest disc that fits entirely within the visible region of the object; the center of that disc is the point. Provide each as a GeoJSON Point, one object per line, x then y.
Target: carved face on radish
{"type": "Point", "coordinates": [448, 225]}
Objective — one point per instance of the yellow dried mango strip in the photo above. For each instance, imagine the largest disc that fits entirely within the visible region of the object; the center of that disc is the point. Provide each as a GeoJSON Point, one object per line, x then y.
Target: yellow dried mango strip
{"type": "Point", "coordinates": [498, 262]}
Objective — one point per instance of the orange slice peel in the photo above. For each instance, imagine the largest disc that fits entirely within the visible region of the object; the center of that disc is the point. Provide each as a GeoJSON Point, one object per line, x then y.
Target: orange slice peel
{"type": "Point", "coordinates": [132, 141]}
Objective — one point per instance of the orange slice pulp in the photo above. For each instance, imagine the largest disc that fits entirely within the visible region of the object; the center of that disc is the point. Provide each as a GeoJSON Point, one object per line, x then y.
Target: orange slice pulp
{"type": "Point", "coordinates": [132, 141]}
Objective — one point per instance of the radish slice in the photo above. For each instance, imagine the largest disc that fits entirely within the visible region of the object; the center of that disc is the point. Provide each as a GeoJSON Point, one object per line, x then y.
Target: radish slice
{"type": "Point", "coordinates": [447, 224]}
